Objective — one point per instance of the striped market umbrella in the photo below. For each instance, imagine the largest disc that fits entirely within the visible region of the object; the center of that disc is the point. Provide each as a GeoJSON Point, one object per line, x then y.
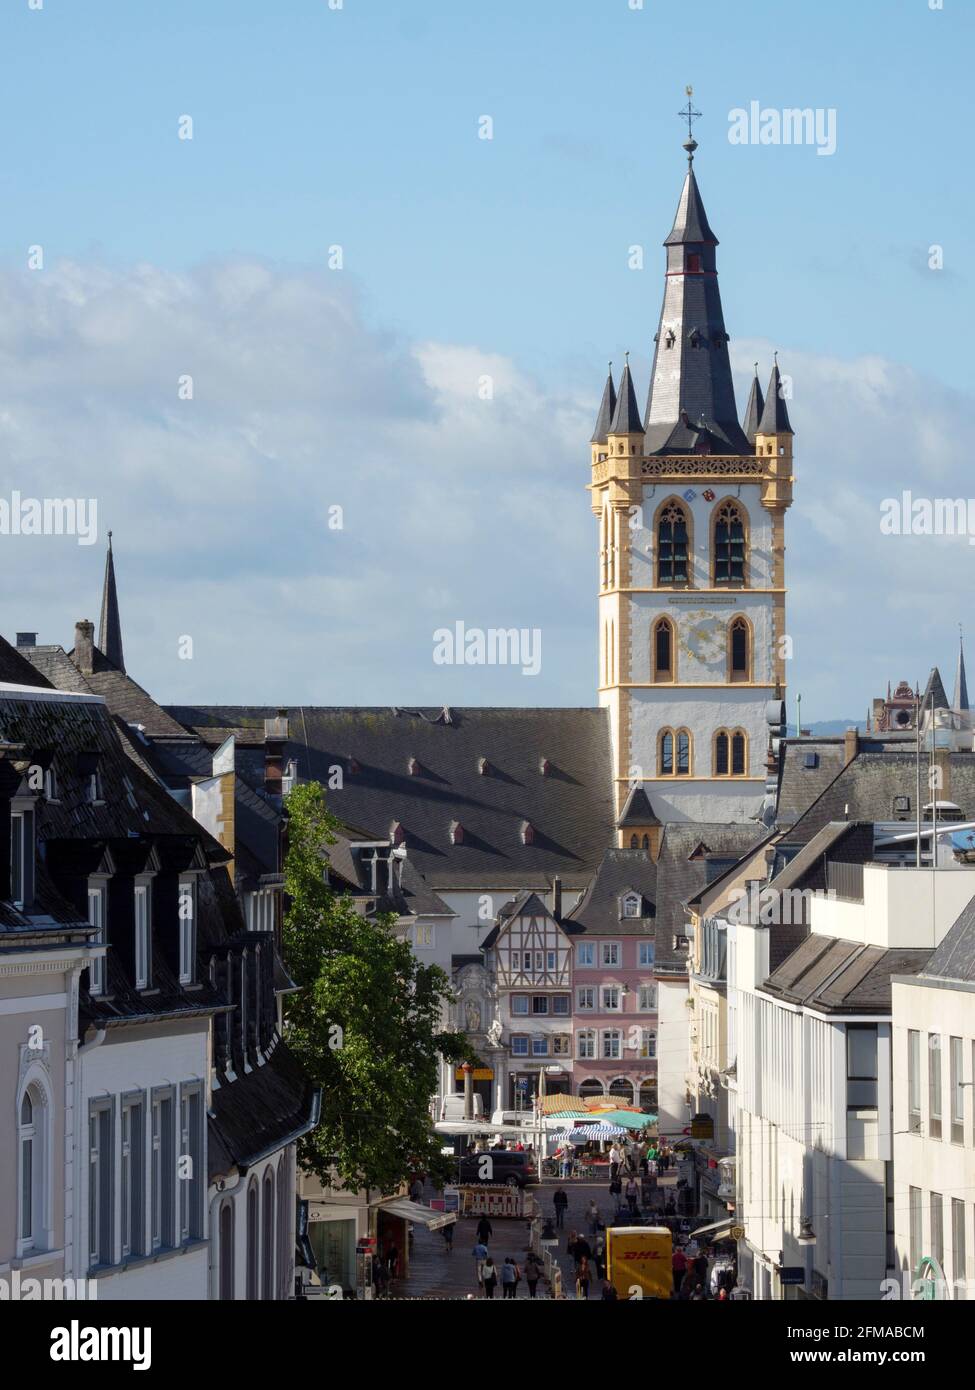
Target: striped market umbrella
{"type": "Point", "coordinates": [583, 1133]}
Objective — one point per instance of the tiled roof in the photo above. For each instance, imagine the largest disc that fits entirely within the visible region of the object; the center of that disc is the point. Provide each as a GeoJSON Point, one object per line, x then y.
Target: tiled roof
{"type": "Point", "coordinates": [621, 871]}
{"type": "Point", "coordinates": [954, 958]}
{"type": "Point", "coordinates": [832, 975]}
{"type": "Point", "coordinates": [679, 876]}
{"type": "Point", "coordinates": [567, 803]}
{"type": "Point", "coordinates": [15, 669]}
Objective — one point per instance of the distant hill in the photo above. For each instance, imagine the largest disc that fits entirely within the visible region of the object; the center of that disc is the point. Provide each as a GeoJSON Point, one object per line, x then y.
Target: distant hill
{"type": "Point", "coordinates": [832, 726]}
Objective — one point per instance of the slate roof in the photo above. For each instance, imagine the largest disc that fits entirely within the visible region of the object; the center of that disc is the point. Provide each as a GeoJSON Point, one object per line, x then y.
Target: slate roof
{"type": "Point", "coordinates": [691, 402]}
{"type": "Point", "coordinates": [626, 417]}
{"type": "Point", "coordinates": [775, 415]}
{"type": "Point", "coordinates": [121, 693]}
{"type": "Point", "coordinates": [621, 871]}
{"type": "Point", "coordinates": [15, 669]}
{"type": "Point", "coordinates": [865, 789]}
{"type": "Point", "coordinates": [799, 785]}
{"type": "Point", "coordinates": [753, 411]}
{"type": "Point", "coordinates": [954, 958]}
{"type": "Point", "coordinates": [258, 1113]}
{"type": "Point", "coordinates": [569, 806]}
{"type": "Point", "coordinates": [637, 810]}
{"type": "Point", "coordinates": [935, 687]}
{"type": "Point", "coordinates": [680, 876]}
{"type": "Point", "coordinates": [607, 408]}
{"type": "Point", "coordinates": [836, 976]}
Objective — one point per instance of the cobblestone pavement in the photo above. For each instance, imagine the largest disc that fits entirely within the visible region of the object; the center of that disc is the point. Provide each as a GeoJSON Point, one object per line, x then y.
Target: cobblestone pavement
{"type": "Point", "coordinates": [436, 1274]}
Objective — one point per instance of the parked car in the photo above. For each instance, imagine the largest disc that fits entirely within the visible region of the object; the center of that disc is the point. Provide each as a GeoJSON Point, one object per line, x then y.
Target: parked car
{"type": "Point", "coordinates": [498, 1166]}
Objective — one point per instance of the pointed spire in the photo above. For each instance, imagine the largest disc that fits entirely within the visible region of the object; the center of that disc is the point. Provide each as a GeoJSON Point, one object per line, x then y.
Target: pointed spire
{"type": "Point", "coordinates": [756, 404]}
{"type": "Point", "coordinates": [110, 628]}
{"type": "Point", "coordinates": [961, 684]}
{"type": "Point", "coordinates": [626, 417]}
{"type": "Point", "coordinates": [691, 405]}
{"type": "Point", "coordinates": [935, 687]}
{"type": "Point", "coordinates": [607, 408]}
{"type": "Point", "coordinates": [775, 416]}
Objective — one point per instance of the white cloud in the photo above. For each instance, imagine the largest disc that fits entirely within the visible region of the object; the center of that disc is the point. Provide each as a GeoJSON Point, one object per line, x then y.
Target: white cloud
{"type": "Point", "coordinates": [454, 506]}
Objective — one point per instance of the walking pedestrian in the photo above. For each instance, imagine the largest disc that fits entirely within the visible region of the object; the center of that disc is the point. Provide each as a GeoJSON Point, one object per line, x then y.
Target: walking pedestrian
{"type": "Point", "coordinates": [489, 1277]}
{"type": "Point", "coordinates": [416, 1189]}
{"type": "Point", "coordinates": [582, 1278]}
{"type": "Point", "coordinates": [392, 1260]}
{"type": "Point", "coordinates": [533, 1269]}
{"type": "Point", "coordinates": [560, 1201]}
{"type": "Point", "coordinates": [448, 1238]}
{"type": "Point", "coordinates": [568, 1159]}
{"type": "Point", "coordinates": [484, 1231]}
{"type": "Point", "coordinates": [679, 1265]}
{"type": "Point", "coordinates": [509, 1277]}
{"type": "Point", "coordinates": [609, 1294]}
{"type": "Point", "coordinates": [632, 1194]}
{"type": "Point", "coordinates": [615, 1158]}
{"type": "Point", "coordinates": [480, 1255]}
{"type": "Point", "coordinates": [599, 1255]}
{"type": "Point", "coordinates": [592, 1216]}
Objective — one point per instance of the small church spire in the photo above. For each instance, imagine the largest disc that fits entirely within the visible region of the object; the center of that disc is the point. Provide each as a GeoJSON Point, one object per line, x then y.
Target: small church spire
{"type": "Point", "coordinates": [607, 409]}
{"type": "Point", "coordinates": [756, 405]}
{"type": "Point", "coordinates": [961, 684]}
{"type": "Point", "coordinates": [626, 417]}
{"type": "Point", "coordinates": [110, 628]}
{"type": "Point", "coordinates": [775, 416]}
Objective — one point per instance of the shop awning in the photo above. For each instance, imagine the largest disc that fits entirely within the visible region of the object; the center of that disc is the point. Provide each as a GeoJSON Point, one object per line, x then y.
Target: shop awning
{"type": "Point", "coordinates": [718, 1230]}
{"type": "Point", "coordinates": [420, 1216]}
{"type": "Point", "coordinates": [627, 1119]}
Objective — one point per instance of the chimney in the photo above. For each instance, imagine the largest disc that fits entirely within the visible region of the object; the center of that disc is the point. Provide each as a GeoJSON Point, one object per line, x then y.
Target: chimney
{"type": "Point", "coordinates": [557, 898]}
{"type": "Point", "coordinates": [84, 646]}
{"type": "Point", "coordinates": [275, 738]}
{"type": "Point", "coordinates": [851, 745]}
{"type": "Point", "coordinates": [26, 639]}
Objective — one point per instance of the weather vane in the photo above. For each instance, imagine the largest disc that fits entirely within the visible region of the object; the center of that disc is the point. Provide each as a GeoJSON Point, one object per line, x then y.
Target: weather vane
{"type": "Point", "coordinates": [690, 116]}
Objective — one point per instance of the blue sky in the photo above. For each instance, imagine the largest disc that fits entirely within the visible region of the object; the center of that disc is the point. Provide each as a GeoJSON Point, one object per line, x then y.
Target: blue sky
{"type": "Point", "coordinates": [358, 126]}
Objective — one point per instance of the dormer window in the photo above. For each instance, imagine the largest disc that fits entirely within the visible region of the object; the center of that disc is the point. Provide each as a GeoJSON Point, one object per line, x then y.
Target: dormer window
{"type": "Point", "coordinates": [140, 916]}
{"type": "Point", "coordinates": [483, 767]}
{"type": "Point", "coordinates": [397, 834]}
{"type": "Point", "coordinates": [352, 766]}
{"type": "Point", "coordinates": [289, 779]}
{"type": "Point", "coordinates": [527, 833]}
{"type": "Point", "coordinates": [187, 932]}
{"type": "Point", "coordinates": [50, 785]}
{"type": "Point", "coordinates": [21, 857]}
{"type": "Point", "coordinates": [414, 767]}
{"type": "Point", "coordinates": [545, 767]}
{"type": "Point", "coordinates": [456, 833]}
{"type": "Point", "coordinates": [96, 916]}
{"type": "Point", "coordinates": [630, 905]}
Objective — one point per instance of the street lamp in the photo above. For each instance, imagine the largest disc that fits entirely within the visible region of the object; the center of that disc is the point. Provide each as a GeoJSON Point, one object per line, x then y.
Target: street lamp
{"type": "Point", "coordinates": [806, 1236]}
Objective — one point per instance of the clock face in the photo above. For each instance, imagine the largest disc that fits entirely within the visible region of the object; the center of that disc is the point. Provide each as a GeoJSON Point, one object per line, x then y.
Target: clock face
{"type": "Point", "coordinates": [704, 636]}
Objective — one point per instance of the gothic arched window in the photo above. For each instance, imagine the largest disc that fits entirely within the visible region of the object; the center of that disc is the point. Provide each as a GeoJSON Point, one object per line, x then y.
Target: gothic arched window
{"type": "Point", "coordinates": [739, 650]}
{"type": "Point", "coordinates": [674, 753]}
{"type": "Point", "coordinates": [665, 755]}
{"type": "Point", "coordinates": [664, 654]}
{"type": "Point", "coordinates": [729, 544]}
{"type": "Point", "coordinates": [672, 544]}
{"type": "Point", "coordinates": [730, 753]}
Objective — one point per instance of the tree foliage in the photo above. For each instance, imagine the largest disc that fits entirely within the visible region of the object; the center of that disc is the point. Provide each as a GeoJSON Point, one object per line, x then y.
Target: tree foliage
{"type": "Point", "coordinates": [365, 1023]}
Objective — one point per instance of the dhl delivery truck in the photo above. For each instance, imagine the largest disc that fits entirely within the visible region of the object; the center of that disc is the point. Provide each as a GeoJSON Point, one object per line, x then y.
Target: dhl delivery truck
{"type": "Point", "coordinates": [638, 1261]}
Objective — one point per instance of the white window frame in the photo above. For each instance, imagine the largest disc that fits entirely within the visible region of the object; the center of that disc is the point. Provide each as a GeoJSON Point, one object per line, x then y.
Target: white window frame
{"type": "Point", "coordinates": [187, 932]}
{"type": "Point", "coordinates": [613, 1038]}
{"type": "Point", "coordinates": [520, 1038]}
{"type": "Point", "coordinates": [586, 955]}
{"type": "Point", "coordinates": [648, 1044]}
{"type": "Point", "coordinates": [142, 928]}
{"type": "Point", "coordinates": [610, 954]}
{"type": "Point", "coordinates": [97, 894]}
{"type": "Point", "coordinates": [551, 962]}
{"type": "Point", "coordinates": [645, 954]}
{"type": "Point", "coordinates": [423, 936]}
{"type": "Point", "coordinates": [163, 1171]}
{"type": "Point", "coordinates": [132, 1174]}
{"type": "Point", "coordinates": [101, 1182]}
{"type": "Point", "coordinates": [18, 850]}
{"type": "Point", "coordinates": [587, 992]}
{"type": "Point", "coordinates": [609, 1008]}
{"type": "Point", "coordinates": [630, 906]}
{"type": "Point", "coordinates": [540, 1045]}
{"type": "Point", "coordinates": [520, 999]}
{"type": "Point", "coordinates": [586, 1039]}
{"type": "Point", "coordinates": [191, 1145]}
{"type": "Point", "coordinates": [650, 993]}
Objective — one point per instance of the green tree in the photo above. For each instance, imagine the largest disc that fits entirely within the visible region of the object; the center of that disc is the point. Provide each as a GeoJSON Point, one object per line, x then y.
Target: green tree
{"type": "Point", "coordinates": [365, 1023]}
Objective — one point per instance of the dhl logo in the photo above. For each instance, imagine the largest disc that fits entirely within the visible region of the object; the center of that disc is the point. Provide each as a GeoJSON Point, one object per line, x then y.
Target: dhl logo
{"type": "Point", "coordinates": [643, 1255]}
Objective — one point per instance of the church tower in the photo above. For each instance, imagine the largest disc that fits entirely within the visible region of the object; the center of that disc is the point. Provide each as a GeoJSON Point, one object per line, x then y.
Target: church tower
{"type": "Point", "coordinates": [691, 509]}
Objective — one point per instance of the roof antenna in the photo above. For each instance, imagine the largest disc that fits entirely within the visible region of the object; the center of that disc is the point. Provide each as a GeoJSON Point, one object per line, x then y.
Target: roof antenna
{"type": "Point", "coordinates": [690, 116]}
